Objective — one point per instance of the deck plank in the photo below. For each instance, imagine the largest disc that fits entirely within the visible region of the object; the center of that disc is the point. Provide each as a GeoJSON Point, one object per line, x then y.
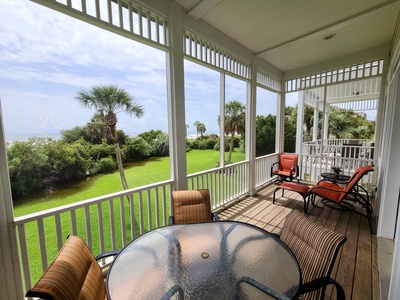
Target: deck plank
{"type": "Point", "coordinates": [356, 267]}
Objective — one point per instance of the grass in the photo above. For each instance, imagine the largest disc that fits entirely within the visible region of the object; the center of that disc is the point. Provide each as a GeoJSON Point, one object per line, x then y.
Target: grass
{"type": "Point", "coordinates": [137, 174]}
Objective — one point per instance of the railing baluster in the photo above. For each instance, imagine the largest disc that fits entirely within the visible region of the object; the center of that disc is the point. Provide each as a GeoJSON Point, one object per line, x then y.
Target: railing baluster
{"type": "Point", "coordinates": [24, 255]}
{"type": "Point", "coordinates": [88, 228]}
{"type": "Point", "coordinates": [60, 241]}
{"type": "Point", "coordinates": [112, 224]}
{"type": "Point", "coordinates": [149, 212]}
{"type": "Point", "coordinates": [132, 216]}
{"type": "Point", "coordinates": [148, 16]}
{"type": "Point", "coordinates": [98, 16]}
{"type": "Point", "coordinates": [141, 225]}
{"type": "Point", "coordinates": [73, 222]}
{"type": "Point", "coordinates": [157, 208]}
{"type": "Point", "coordinates": [42, 244]}
{"type": "Point", "coordinates": [109, 12]}
{"type": "Point", "coordinates": [140, 21]}
{"type": "Point", "coordinates": [122, 211]}
{"type": "Point", "coordinates": [130, 14]}
{"type": "Point", "coordinates": [101, 229]}
{"type": "Point", "coordinates": [83, 3]}
{"type": "Point", "coordinates": [121, 15]}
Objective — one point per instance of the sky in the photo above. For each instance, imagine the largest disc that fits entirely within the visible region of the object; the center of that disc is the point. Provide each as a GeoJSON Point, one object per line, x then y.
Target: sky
{"type": "Point", "coordinates": [46, 58]}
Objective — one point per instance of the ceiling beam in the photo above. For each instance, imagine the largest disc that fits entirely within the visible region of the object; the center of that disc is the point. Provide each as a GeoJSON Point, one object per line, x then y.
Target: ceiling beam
{"type": "Point", "coordinates": [330, 29]}
{"type": "Point", "coordinates": [202, 8]}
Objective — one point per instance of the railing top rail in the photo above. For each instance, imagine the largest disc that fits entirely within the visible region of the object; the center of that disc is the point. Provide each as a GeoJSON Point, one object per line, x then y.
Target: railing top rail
{"type": "Point", "coordinates": [84, 203]}
{"type": "Point", "coordinates": [217, 169]}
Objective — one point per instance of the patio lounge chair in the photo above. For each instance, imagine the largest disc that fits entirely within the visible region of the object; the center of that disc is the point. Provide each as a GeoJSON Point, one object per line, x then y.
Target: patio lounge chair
{"type": "Point", "coordinates": [191, 206]}
{"type": "Point", "coordinates": [74, 274]}
{"type": "Point", "coordinates": [336, 196]}
{"type": "Point", "coordinates": [287, 168]}
{"type": "Point", "coordinates": [316, 249]}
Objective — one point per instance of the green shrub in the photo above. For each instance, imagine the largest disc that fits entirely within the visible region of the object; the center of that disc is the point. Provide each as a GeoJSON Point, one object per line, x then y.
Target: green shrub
{"type": "Point", "coordinates": [106, 165]}
{"type": "Point", "coordinates": [207, 144]}
{"type": "Point", "coordinates": [217, 145]}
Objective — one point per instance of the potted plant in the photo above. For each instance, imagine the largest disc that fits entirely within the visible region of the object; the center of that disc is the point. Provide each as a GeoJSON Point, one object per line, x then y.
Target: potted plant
{"type": "Point", "coordinates": [336, 170]}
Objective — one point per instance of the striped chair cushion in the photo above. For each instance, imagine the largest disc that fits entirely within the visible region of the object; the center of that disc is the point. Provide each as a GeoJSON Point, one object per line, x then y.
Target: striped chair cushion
{"type": "Point", "coordinates": [314, 246]}
{"type": "Point", "coordinates": [74, 274]}
{"type": "Point", "coordinates": [191, 206]}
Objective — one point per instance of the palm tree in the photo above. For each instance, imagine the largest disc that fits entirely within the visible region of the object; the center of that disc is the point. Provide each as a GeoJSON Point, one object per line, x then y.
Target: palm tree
{"type": "Point", "coordinates": [109, 100]}
{"type": "Point", "coordinates": [200, 127]}
{"type": "Point", "coordinates": [235, 120]}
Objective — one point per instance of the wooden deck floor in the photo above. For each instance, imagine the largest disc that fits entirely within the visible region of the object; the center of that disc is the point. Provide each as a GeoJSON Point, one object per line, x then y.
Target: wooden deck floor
{"type": "Point", "coordinates": [356, 267]}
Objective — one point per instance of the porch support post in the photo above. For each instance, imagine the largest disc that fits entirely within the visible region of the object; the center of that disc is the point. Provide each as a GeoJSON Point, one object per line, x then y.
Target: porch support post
{"type": "Point", "coordinates": [251, 127]}
{"type": "Point", "coordinates": [325, 120]}
{"type": "Point", "coordinates": [391, 201]}
{"type": "Point", "coordinates": [222, 120]}
{"type": "Point", "coordinates": [176, 99]}
{"type": "Point", "coordinates": [315, 124]}
{"type": "Point", "coordinates": [10, 272]}
{"type": "Point", "coordinates": [280, 121]}
{"type": "Point", "coordinates": [389, 186]}
{"type": "Point", "coordinates": [300, 122]}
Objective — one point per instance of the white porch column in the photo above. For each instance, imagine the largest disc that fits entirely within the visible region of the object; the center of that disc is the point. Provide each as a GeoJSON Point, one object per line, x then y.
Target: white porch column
{"type": "Point", "coordinates": [389, 185]}
{"type": "Point", "coordinates": [280, 121]}
{"type": "Point", "coordinates": [10, 271]}
{"type": "Point", "coordinates": [315, 124]}
{"type": "Point", "coordinates": [176, 99]}
{"type": "Point", "coordinates": [222, 119]}
{"type": "Point", "coordinates": [326, 121]}
{"type": "Point", "coordinates": [300, 122]}
{"type": "Point", "coordinates": [251, 100]}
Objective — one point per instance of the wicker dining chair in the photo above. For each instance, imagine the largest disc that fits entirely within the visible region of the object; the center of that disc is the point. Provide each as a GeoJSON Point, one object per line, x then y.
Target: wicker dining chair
{"type": "Point", "coordinates": [316, 249]}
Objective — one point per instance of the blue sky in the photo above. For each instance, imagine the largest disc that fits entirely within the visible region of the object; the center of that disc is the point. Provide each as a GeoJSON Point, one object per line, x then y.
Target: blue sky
{"type": "Point", "coordinates": [46, 58]}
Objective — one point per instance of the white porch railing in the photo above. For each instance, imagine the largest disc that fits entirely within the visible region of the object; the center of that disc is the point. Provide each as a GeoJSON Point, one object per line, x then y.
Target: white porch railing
{"type": "Point", "coordinates": [318, 157]}
{"type": "Point", "coordinates": [111, 221]}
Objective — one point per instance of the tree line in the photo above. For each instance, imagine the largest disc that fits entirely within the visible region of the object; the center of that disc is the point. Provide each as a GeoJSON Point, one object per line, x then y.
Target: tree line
{"type": "Point", "coordinates": [98, 147]}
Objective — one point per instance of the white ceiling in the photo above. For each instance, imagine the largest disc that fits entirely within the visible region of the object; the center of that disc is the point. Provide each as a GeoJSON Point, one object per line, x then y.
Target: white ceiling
{"type": "Point", "coordinates": [289, 34]}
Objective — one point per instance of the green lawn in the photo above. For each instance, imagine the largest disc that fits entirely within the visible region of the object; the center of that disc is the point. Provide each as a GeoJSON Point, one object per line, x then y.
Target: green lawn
{"type": "Point", "coordinates": [138, 174]}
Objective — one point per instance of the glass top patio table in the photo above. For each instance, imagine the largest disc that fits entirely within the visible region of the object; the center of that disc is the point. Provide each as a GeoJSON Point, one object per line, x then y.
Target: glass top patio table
{"type": "Point", "coordinates": [335, 178]}
{"type": "Point", "coordinates": [216, 260]}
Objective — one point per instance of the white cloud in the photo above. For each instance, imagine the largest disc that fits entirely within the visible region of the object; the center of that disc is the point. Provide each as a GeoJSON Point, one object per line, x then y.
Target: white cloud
{"type": "Point", "coordinates": [46, 57]}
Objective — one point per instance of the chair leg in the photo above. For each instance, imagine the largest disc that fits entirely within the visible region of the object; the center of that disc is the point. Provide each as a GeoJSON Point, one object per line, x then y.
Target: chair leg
{"type": "Point", "coordinates": [306, 201]}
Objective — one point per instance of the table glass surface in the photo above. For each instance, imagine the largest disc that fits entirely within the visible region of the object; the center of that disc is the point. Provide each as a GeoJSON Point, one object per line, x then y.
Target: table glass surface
{"type": "Point", "coordinates": [335, 177]}
{"type": "Point", "coordinates": [216, 260]}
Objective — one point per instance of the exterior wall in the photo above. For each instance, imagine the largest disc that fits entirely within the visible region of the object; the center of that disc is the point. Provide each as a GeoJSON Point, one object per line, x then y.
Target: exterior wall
{"type": "Point", "coordinates": [391, 201]}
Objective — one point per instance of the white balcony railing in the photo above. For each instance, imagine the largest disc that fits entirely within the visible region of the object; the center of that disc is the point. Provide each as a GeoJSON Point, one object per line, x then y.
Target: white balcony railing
{"type": "Point", "coordinates": [109, 222]}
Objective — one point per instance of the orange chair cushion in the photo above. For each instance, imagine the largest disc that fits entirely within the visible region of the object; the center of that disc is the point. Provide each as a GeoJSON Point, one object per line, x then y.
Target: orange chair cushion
{"type": "Point", "coordinates": [295, 187]}
{"type": "Point", "coordinates": [74, 274]}
{"type": "Point", "coordinates": [287, 161]}
{"type": "Point", "coordinates": [191, 206]}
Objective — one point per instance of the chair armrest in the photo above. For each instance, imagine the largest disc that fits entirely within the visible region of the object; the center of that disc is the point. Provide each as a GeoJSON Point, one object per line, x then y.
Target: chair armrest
{"type": "Point", "coordinates": [258, 285]}
{"type": "Point", "coordinates": [105, 265]}
{"type": "Point", "coordinates": [215, 216]}
{"type": "Point", "coordinates": [171, 220]}
{"type": "Point", "coordinates": [294, 169]}
{"type": "Point", "coordinates": [320, 283]}
{"type": "Point", "coordinates": [272, 167]}
{"type": "Point", "coordinates": [107, 254]}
